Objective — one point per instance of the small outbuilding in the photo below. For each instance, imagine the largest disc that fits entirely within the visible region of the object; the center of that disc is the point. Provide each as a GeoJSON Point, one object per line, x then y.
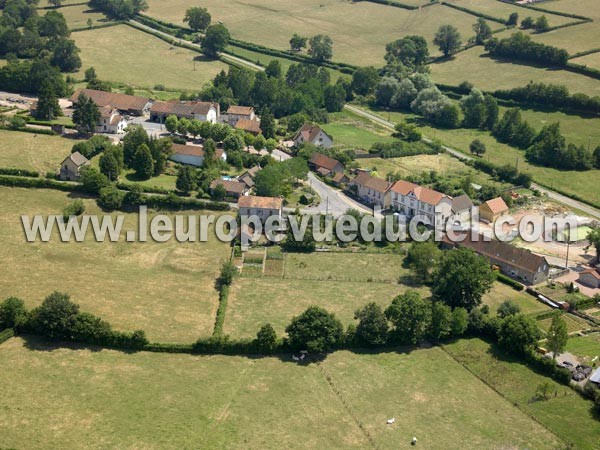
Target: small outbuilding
{"type": "Point", "coordinates": [70, 168]}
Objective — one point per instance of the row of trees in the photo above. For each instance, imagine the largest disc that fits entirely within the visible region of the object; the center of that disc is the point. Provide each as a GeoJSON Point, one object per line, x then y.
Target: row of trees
{"type": "Point", "coordinates": [59, 318]}
{"type": "Point", "coordinates": [320, 46]}
{"type": "Point", "coordinates": [521, 47]}
{"type": "Point", "coordinates": [303, 88]}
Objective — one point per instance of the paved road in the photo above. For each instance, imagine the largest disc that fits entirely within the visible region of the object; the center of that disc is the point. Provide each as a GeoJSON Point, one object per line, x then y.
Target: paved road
{"type": "Point", "coordinates": [226, 56]}
{"type": "Point", "coordinates": [333, 201]}
{"type": "Point", "coordinates": [590, 210]}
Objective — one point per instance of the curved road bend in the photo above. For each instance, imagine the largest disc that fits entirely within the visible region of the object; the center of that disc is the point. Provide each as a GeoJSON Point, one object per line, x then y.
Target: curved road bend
{"type": "Point", "coordinates": [593, 212]}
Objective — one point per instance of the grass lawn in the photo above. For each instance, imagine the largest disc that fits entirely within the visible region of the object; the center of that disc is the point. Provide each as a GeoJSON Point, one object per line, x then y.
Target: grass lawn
{"type": "Point", "coordinates": [127, 55]}
{"type": "Point", "coordinates": [567, 415]}
{"type": "Point", "coordinates": [163, 181]}
{"type": "Point", "coordinates": [165, 289]}
{"type": "Point", "coordinates": [345, 266]}
{"type": "Point", "coordinates": [351, 131]}
{"type": "Point", "coordinates": [360, 30]}
{"type": "Point", "coordinates": [33, 151]}
{"type": "Point", "coordinates": [149, 400]}
{"type": "Point", "coordinates": [490, 74]}
{"type": "Point", "coordinates": [582, 184]}
{"type": "Point", "coordinates": [254, 302]}
{"type": "Point", "coordinates": [501, 292]}
{"type": "Point", "coordinates": [587, 346]}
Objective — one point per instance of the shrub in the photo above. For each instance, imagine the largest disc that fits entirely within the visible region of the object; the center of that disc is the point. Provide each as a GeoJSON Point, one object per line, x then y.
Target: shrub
{"type": "Point", "coordinates": [266, 338]}
{"type": "Point", "coordinates": [510, 282]}
{"type": "Point", "coordinates": [19, 172]}
{"type": "Point", "coordinates": [75, 208]}
{"type": "Point", "coordinates": [12, 313]}
{"type": "Point", "coordinates": [110, 198]}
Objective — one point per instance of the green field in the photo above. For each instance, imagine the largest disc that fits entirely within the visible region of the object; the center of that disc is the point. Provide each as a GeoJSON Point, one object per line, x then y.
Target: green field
{"type": "Point", "coordinates": [568, 415]}
{"type": "Point", "coordinates": [351, 131]}
{"type": "Point", "coordinates": [345, 266]}
{"type": "Point", "coordinates": [582, 184]}
{"type": "Point", "coordinates": [165, 289]}
{"type": "Point", "coordinates": [256, 301]}
{"type": "Point", "coordinates": [33, 151]}
{"type": "Point", "coordinates": [577, 38]}
{"type": "Point", "coordinates": [490, 74]}
{"type": "Point", "coordinates": [359, 30]}
{"type": "Point", "coordinates": [502, 10]}
{"type": "Point", "coordinates": [501, 292]}
{"type": "Point", "coordinates": [587, 346]}
{"type": "Point", "coordinates": [78, 15]}
{"type": "Point", "coordinates": [75, 397]}
{"type": "Point", "coordinates": [592, 60]}
{"type": "Point", "coordinates": [127, 55]}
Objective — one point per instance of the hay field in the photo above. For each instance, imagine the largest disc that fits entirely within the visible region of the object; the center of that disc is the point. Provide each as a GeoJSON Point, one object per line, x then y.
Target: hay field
{"type": "Point", "coordinates": [359, 30]}
{"type": "Point", "coordinates": [127, 55]}
{"type": "Point", "coordinates": [166, 289]}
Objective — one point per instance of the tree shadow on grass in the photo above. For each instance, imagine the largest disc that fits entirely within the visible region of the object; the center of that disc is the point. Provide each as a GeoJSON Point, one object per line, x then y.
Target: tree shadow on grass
{"type": "Point", "coordinates": [43, 344]}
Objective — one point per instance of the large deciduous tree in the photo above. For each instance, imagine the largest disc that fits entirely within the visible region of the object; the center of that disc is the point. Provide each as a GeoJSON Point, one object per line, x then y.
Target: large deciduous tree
{"type": "Point", "coordinates": [461, 278]}
{"type": "Point", "coordinates": [197, 18]}
{"type": "Point", "coordinates": [320, 47]}
{"type": "Point", "coordinates": [215, 40]}
{"type": "Point", "coordinates": [315, 330]}
{"type": "Point", "coordinates": [447, 39]}
{"type": "Point", "coordinates": [410, 316]}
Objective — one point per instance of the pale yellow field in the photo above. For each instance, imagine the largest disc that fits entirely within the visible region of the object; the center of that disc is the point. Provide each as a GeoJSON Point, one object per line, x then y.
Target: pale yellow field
{"type": "Point", "coordinates": [359, 30]}
{"type": "Point", "coordinates": [165, 289]}
{"type": "Point", "coordinates": [124, 54]}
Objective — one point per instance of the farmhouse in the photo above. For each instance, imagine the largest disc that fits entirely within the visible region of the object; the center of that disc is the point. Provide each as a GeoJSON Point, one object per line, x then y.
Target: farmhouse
{"type": "Point", "coordinates": [70, 168]}
{"type": "Point", "coordinates": [202, 111]}
{"type": "Point", "coordinates": [461, 207]}
{"type": "Point", "coordinates": [263, 207]}
{"type": "Point", "coordinates": [235, 113]}
{"type": "Point", "coordinates": [513, 261]}
{"type": "Point", "coordinates": [590, 277]}
{"type": "Point", "coordinates": [251, 126]}
{"type": "Point", "coordinates": [491, 210]}
{"type": "Point", "coordinates": [192, 154]}
{"type": "Point", "coordinates": [126, 104]}
{"type": "Point", "coordinates": [412, 200]}
{"type": "Point", "coordinates": [111, 121]}
{"type": "Point", "coordinates": [374, 191]}
{"type": "Point", "coordinates": [233, 188]}
{"type": "Point", "coordinates": [248, 176]}
{"type": "Point", "coordinates": [328, 165]}
{"type": "Point", "coordinates": [313, 134]}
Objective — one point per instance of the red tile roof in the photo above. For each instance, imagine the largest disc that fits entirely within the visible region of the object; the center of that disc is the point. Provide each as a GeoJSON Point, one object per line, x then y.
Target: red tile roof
{"type": "Point", "coordinates": [240, 110]}
{"type": "Point", "coordinates": [192, 150]}
{"type": "Point", "coordinates": [324, 161]}
{"type": "Point", "coordinates": [252, 126]}
{"type": "Point", "coordinates": [421, 193]}
{"type": "Point", "coordinates": [309, 132]}
{"type": "Point", "coordinates": [122, 102]}
{"type": "Point", "coordinates": [252, 201]}
{"type": "Point", "coordinates": [377, 184]}
{"type": "Point", "coordinates": [179, 108]}
{"type": "Point", "coordinates": [497, 205]}
{"type": "Point", "coordinates": [230, 186]}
